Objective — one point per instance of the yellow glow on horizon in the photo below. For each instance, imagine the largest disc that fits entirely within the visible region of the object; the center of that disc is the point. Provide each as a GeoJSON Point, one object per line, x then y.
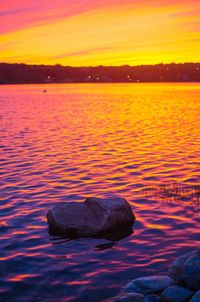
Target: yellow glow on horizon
{"type": "Point", "coordinates": [108, 37]}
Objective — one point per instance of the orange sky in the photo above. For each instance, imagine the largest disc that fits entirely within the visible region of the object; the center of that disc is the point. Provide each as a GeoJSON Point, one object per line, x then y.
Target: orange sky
{"type": "Point", "coordinates": [106, 32]}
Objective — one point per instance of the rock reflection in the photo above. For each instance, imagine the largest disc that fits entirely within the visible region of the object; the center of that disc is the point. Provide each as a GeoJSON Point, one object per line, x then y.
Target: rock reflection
{"type": "Point", "coordinates": [112, 238]}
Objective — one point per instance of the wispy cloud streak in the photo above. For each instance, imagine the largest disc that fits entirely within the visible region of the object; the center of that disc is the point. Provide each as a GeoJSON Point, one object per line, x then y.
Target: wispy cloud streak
{"type": "Point", "coordinates": [85, 32]}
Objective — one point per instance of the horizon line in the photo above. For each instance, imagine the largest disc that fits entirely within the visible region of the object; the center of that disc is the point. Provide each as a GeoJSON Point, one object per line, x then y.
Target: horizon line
{"type": "Point", "coordinates": [94, 66]}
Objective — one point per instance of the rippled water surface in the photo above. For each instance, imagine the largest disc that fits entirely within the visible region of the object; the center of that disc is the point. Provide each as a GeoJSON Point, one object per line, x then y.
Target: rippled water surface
{"type": "Point", "coordinates": [81, 140]}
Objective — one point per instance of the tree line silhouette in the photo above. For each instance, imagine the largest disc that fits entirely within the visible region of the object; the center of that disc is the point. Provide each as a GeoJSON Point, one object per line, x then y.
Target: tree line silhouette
{"type": "Point", "coordinates": [24, 74]}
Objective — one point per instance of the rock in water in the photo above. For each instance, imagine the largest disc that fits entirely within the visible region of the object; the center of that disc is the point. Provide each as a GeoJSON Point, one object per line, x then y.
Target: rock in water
{"type": "Point", "coordinates": [152, 298]}
{"type": "Point", "coordinates": [93, 217]}
{"type": "Point", "coordinates": [196, 297]}
{"type": "Point", "coordinates": [185, 270]}
{"type": "Point", "coordinates": [148, 285]}
{"type": "Point", "coordinates": [176, 293]}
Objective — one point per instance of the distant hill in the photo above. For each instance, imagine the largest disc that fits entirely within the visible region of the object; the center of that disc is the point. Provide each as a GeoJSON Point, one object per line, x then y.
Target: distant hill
{"type": "Point", "coordinates": [26, 74]}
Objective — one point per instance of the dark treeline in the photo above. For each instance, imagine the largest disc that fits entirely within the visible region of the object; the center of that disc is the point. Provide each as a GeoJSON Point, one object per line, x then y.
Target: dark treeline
{"type": "Point", "coordinates": [22, 73]}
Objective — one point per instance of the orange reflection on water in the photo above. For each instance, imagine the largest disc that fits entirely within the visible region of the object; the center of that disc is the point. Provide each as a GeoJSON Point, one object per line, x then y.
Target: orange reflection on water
{"type": "Point", "coordinates": [82, 140]}
{"type": "Point", "coordinates": [78, 282]}
{"type": "Point", "coordinates": [19, 278]}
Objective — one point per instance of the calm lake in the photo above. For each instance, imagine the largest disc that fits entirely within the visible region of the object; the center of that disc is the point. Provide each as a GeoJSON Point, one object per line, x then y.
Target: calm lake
{"type": "Point", "coordinates": [80, 140]}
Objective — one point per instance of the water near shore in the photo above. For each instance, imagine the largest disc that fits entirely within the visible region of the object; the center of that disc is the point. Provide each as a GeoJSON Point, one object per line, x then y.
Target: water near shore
{"type": "Point", "coordinates": [81, 140]}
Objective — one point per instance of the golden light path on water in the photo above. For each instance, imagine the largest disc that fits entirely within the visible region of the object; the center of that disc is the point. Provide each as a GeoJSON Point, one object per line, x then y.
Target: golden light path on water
{"type": "Point", "coordinates": [81, 140]}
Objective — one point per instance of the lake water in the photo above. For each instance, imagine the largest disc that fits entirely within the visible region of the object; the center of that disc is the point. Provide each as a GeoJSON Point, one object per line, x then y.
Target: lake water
{"type": "Point", "coordinates": [81, 140]}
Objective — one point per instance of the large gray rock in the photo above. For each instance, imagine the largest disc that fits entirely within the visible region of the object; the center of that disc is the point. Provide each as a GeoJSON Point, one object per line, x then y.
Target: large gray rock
{"type": "Point", "coordinates": [185, 270]}
{"type": "Point", "coordinates": [127, 297]}
{"type": "Point", "coordinates": [176, 293]}
{"type": "Point", "coordinates": [148, 285]}
{"type": "Point", "coordinates": [196, 297]}
{"type": "Point", "coordinates": [93, 217]}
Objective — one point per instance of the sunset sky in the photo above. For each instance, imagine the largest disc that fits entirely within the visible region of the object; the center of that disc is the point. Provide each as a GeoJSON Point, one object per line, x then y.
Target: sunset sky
{"type": "Point", "coordinates": [94, 32]}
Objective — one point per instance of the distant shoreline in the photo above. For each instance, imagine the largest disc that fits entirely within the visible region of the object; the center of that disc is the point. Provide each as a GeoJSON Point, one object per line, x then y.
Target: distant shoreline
{"type": "Point", "coordinates": [44, 74]}
{"type": "Point", "coordinates": [130, 83]}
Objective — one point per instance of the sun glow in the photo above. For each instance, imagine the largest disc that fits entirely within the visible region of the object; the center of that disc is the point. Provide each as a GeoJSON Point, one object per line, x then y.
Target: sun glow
{"type": "Point", "coordinates": [129, 32]}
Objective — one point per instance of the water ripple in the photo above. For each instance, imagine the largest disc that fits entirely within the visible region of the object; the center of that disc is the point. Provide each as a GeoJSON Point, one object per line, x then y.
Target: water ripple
{"type": "Point", "coordinates": [99, 140]}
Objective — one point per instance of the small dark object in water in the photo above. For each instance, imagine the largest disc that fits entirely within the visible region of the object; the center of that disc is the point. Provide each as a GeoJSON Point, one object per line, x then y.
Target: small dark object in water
{"type": "Point", "coordinates": [44, 90]}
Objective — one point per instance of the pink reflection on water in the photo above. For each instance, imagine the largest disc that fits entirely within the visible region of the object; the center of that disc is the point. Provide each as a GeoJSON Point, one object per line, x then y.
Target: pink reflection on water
{"type": "Point", "coordinates": [77, 141]}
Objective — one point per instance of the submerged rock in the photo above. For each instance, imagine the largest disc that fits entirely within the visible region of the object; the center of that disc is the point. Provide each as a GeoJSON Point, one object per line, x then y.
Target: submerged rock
{"type": "Point", "coordinates": [148, 285]}
{"type": "Point", "coordinates": [176, 293]}
{"type": "Point", "coordinates": [152, 298]}
{"type": "Point", "coordinates": [93, 217]}
{"type": "Point", "coordinates": [196, 297]}
{"type": "Point", "coordinates": [185, 270]}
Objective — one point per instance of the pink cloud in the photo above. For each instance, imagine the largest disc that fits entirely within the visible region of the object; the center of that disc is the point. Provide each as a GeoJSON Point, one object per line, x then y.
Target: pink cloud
{"type": "Point", "coordinates": [16, 15]}
{"type": "Point", "coordinates": [82, 52]}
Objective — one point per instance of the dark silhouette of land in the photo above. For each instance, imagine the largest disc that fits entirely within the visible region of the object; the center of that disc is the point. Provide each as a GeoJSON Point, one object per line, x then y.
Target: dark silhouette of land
{"type": "Point", "coordinates": [26, 74]}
